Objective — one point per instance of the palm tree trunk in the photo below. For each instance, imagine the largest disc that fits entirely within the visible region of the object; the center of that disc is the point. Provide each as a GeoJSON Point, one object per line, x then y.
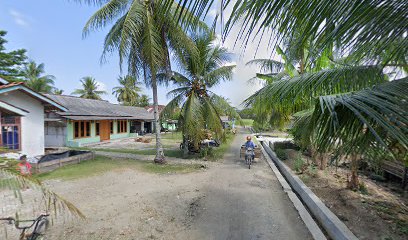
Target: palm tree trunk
{"type": "Point", "coordinates": [159, 147]}
{"type": "Point", "coordinates": [354, 181]}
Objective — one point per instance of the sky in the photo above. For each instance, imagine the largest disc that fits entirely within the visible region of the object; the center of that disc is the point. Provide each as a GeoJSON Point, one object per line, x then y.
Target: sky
{"type": "Point", "coordinates": [51, 32]}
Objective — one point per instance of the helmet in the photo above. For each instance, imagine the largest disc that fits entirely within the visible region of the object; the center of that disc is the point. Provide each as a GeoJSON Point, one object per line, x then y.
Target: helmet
{"type": "Point", "coordinates": [248, 138]}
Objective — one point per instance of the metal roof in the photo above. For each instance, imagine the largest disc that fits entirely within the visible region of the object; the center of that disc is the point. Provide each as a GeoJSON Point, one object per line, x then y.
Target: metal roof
{"type": "Point", "coordinates": [90, 109]}
{"type": "Point", "coordinates": [21, 87]}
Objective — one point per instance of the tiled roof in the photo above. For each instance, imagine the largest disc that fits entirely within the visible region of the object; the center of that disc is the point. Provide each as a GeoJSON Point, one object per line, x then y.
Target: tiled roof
{"type": "Point", "coordinates": [8, 85]}
{"type": "Point", "coordinates": [97, 109]}
{"type": "Point", "coordinates": [151, 108]}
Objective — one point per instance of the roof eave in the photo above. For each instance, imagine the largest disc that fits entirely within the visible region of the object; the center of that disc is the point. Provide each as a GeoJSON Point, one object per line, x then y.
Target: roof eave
{"type": "Point", "coordinates": [34, 94]}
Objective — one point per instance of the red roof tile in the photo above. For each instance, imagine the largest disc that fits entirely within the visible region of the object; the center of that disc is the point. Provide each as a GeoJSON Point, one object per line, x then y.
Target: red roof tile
{"type": "Point", "coordinates": [11, 85]}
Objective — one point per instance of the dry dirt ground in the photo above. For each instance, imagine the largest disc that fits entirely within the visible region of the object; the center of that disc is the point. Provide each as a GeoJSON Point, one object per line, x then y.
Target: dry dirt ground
{"type": "Point", "coordinates": [225, 201]}
{"type": "Point", "coordinates": [379, 214]}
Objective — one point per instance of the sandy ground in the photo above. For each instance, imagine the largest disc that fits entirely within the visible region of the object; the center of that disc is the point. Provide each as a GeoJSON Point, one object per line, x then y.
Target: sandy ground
{"type": "Point", "coordinates": [371, 216]}
{"type": "Point", "coordinates": [226, 201]}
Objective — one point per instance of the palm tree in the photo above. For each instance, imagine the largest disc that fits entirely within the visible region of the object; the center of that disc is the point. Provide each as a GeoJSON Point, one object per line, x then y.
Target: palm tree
{"type": "Point", "coordinates": [128, 91]}
{"type": "Point", "coordinates": [89, 89]}
{"type": "Point", "coordinates": [346, 108]}
{"type": "Point", "coordinates": [199, 108]}
{"type": "Point", "coordinates": [58, 91]}
{"type": "Point", "coordinates": [143, 34]}
{"type": "Point", "coordinates": [35, 78]}
{"type": "Point", "coordinates": [143, 101]}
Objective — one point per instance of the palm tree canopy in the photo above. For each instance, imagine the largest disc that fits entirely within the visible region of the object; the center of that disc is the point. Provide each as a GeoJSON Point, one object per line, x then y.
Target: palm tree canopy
{"type": "Point", "coordinates": [200, 108]}
{"type": "Point", "coordinates": [89, 89]}
{"type": "Point", "coordinates": [35, 78]}
{"type": "Point", "coordinates": [128, 91]}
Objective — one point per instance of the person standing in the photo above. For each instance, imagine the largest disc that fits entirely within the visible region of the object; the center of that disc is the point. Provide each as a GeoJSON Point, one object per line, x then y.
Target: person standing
{"type": "Point", "coordinates": [24, 167]}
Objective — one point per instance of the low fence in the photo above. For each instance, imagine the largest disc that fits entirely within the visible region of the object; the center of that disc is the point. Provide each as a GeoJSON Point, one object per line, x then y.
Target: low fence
{"type": "Point", "coordinates": [47, 166]}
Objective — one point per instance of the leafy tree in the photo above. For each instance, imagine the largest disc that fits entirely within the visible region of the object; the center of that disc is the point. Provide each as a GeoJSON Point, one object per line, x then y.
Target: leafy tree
{"type": "Point", "coordinates": [35, 78]}
{"type": "Point", "coordinates": [143, 33]}
{"type": "Point", "coordinates": [200, 108]}
{"type": "Point", "coordinates": [128, 91]}
{"type": "Point", "coordinates": [10, 62]}
{"type": "Point", "coordinates": [89, 89]}
{"type": "Point", "coordinates": [143, 101]}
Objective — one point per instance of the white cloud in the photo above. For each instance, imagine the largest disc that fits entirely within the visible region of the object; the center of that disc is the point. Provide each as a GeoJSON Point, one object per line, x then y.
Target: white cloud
{"type": "Point", "coordinates": [19, 18]}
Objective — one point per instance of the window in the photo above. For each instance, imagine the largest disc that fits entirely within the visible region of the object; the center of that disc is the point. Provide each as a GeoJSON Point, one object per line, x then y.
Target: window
{"type": "Point", "coordinates": [82, 129]}
{"type": "Point", "coordinates": [111, 127]}
{"type": "Point", "coordinates": [122, 126]}
{"type": "Point", "coordinates": [10, 133]}
{"type": "Point", "coordinates": [97, 128]}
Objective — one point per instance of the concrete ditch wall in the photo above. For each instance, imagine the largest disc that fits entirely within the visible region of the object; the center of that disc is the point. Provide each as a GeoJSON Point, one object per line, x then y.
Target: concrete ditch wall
{"type": "Point", "coordinates": [57, 163]}
{"type": "Point", "coordinates": [334, 227]}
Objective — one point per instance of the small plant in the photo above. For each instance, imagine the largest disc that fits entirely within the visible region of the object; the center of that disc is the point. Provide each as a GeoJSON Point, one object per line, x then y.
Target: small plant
{"type": "Point", "coordinates": [363, 188]}
{"type": "Point", "coordinates": [282, 154]}
{"type": "Point", "coordinates": [312, 170]}
{"type": "Point", "coordinates": [299, 163]}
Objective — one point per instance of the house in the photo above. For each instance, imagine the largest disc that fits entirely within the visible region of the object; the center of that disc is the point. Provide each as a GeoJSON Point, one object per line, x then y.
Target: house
{"type": "Point", "coordinates": [88, 121]}
{"type": "Point", "coordinates": [22, 118]}
{"type": "Point", "coordinates": [168, 124]}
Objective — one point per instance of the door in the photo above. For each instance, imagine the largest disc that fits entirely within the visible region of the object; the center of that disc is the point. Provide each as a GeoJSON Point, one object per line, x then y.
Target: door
{"type": "Point", "coordinates": [105, 130]}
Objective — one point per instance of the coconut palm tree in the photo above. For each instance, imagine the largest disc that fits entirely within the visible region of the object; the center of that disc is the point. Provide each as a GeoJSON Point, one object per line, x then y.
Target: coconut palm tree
{"type": "Point", "coordinates": [143, 33]}
{"type": "Point", "coordinates": [35, 78]}
{"type": "Point", "coordinates": [199, 109]}
{"type": "Point", "coordinates": [143, 101]}
{"type": "Point", "coordinates": [58, 91]}
{"type": "Point", "coordinates": [345, 108]}
{"type": "Point", "coordinates": [89, 89]}
{"type": "Point", "coordinates": [128, 91]}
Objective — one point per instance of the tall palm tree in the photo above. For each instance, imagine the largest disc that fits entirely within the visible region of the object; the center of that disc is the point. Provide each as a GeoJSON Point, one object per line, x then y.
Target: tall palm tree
{"type": "Point", "coordinates": [143, 33]}
{"type": "Point", "coordinates": [89, 89]}
{"type": "Point", "coordinates": [199, 109]}
{"type": "Point", "coordinates": [128, 91]}
{"type": "Point", "coordinates": [35, 78]}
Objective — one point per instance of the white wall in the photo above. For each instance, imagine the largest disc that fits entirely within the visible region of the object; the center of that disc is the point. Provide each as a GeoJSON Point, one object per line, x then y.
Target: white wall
{"type": "Point", "coordinates": [55, 134]}
{"type": "Point", "coordinates": [32, 124]}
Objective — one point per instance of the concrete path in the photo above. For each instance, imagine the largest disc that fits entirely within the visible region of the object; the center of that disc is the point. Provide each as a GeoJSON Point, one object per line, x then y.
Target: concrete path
{"type": "Point", "coordinates": [244, 204]}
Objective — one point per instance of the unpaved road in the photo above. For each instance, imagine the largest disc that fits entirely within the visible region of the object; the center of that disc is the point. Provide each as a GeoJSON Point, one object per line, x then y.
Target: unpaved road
{"type": "Point", "coordinates": [226, 201]}
{"type": "Point", "coordinates": [244, 204]}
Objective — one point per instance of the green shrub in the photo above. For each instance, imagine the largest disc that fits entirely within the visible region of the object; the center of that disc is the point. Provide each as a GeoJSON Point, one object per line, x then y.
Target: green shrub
{"type": "Point", "coordinates": [312, 170]}
{"type": "Point", "coordinates": [282, 154]}
{"type": "Point", "coordinates": [299, 163]}
{"type": "Point", "coordinates": [363, 188]}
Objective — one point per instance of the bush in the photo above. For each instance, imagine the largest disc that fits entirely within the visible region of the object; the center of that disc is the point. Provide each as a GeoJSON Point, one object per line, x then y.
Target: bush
{"type": "Point", "coordinates": [282, 154]}
{"type": "Point", "coordinates": [299, 163]}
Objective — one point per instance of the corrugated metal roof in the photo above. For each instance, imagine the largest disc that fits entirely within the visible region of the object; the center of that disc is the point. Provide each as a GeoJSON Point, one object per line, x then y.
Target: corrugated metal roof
{"type": "Point", "coordinates": [90, 109]}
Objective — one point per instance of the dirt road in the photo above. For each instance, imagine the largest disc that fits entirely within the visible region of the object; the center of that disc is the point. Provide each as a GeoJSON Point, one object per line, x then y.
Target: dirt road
{"type": "Point", "coordinates": [225, 201]}
{"type": "Point", "coordinates": [244, 204]}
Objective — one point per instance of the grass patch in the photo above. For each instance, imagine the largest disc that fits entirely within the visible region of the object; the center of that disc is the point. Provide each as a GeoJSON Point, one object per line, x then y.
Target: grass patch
{"type": "Point", "coordinates": [172, 136]}
{"type": "Point", "coordinates": [177, 153]}
{"type": "Point", "coordinates": [102, 165]}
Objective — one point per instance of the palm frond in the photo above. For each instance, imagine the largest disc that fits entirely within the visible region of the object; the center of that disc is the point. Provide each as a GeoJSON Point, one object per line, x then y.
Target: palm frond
{"type": "Point", "coordinates": [353, 122]}
{"type": "Point", "coordinates": [267, 65]}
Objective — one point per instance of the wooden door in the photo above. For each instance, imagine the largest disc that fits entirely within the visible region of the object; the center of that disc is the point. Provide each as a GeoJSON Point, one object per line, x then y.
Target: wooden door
{"type": "Point", "coordinates": [105, 130]}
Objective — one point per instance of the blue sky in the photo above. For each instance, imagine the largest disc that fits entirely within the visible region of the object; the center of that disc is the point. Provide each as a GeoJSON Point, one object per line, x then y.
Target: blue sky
{"type": "Point", "coordinates": [51, 31]}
